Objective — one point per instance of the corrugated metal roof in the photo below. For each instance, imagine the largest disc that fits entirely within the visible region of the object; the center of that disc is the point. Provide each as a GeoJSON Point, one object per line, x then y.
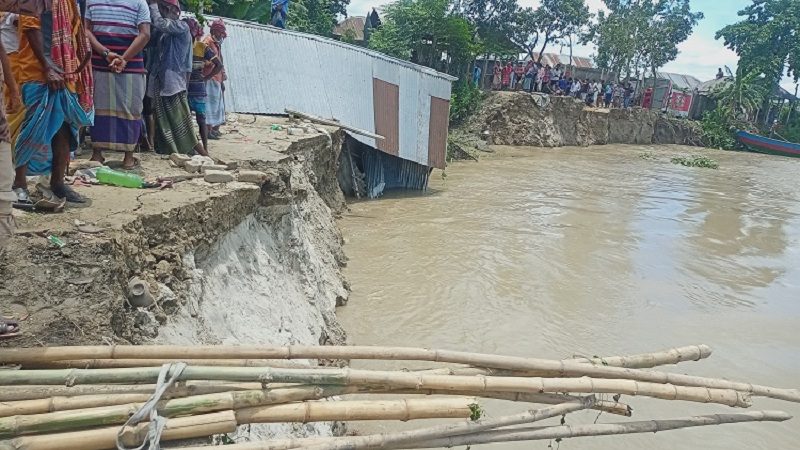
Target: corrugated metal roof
{"type": "Point", "coordinates": [554, 59]}
{"type": "Point", "coordinates": [271, 70]}
{"type": "Point", "coordinates": [680, 81]}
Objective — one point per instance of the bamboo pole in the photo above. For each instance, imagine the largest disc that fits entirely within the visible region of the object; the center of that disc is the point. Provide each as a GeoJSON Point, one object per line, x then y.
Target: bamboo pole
{"type": "Point", "coordinates": [641, 361]}
{"type": "Point", "coordinates": [122, 363]}
{"type": "Point", "coordinates": [611, 407]}
{"type": "Point", "coordinates": [409, 437]}
{"type": "Point", "coordinates": [649, 360]}
{"type": "Point", "coordinates": [562, 368]}
{"type": "Point", "coordinates": [398, 380]}
{"type": "Point", "coordinates": [180, 389]}
{"type": "Point", "coordinates": [347, 410]}
{"type": "Point", "coordinates": [68, 420]}
{"type": "Point", "coordinates": [537, 433]}
{"type": "Point", "coordinates": [573, 431]}
{"type": "Point", "coordinates": [227, 421]}
{"type": "Point", "coordinates": [105, 438]}
{"type": "Point", "coordinates": [142, 393]}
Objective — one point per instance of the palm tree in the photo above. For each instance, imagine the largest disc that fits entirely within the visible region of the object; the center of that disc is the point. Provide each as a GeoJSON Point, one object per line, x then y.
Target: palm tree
{"type": "Point", "coordinates": [743, 96]}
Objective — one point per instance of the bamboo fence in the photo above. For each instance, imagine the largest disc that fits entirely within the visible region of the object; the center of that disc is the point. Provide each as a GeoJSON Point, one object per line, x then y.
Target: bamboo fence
{"type": "Point", "coordinates": [81, 398]}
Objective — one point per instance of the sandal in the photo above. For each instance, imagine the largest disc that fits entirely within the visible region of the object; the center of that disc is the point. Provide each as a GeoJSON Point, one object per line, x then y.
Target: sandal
{"type": "Point", "coordinates": [9, 329]}
{"type": "Point", "coordinates": [69, 194]}
{"type": "Point", "coordinates": [24, 201]}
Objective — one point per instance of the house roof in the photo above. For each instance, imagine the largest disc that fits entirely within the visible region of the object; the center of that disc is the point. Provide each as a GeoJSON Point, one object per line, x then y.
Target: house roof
{"type": "Point", "coordinates": [355, 24]}
{"type": "Point", "coordinates": [680, 81]}
{"type": "Point", "coordinates": [554, 59]}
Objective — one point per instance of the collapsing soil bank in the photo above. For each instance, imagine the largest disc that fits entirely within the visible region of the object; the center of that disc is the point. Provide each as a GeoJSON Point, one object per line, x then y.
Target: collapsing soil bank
{"type": "Point", "coordinates": [521, 119]}
{"type": "Point", "coordinates": [226, 263]}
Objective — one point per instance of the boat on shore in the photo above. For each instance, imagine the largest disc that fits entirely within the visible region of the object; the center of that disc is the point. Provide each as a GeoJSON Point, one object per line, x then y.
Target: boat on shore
{"type": "Point", "coordinates": [767, 145]}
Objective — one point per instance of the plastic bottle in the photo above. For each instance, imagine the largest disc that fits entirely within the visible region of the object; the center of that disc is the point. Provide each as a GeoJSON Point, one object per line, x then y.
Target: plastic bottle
{"type": "Point", "coordinates": [115, 178]}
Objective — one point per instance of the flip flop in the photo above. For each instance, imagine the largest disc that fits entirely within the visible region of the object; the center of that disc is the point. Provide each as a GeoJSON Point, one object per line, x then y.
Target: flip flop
{"type": "Point", "coordinates": [70, 195]}
{"type": "Point", "coordinates": [24, 201]}
{"type": "Point", "coordinates": [9, 329]}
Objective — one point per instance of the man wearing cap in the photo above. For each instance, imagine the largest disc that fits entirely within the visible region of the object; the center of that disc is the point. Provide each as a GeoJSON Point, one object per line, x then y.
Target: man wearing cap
{"type": "Point", "coordinates": [174, 124]}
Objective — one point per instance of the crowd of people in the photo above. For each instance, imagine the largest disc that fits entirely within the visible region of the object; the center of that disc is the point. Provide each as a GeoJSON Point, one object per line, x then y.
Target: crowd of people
{"type": "Point", "coordinates": [558, 80]}
{"type": "Point", "coordinates": [132, 75]}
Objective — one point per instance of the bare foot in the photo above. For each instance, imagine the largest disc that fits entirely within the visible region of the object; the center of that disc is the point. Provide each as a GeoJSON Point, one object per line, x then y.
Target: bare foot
{"type": "Point", "coordinates": [97, 156]}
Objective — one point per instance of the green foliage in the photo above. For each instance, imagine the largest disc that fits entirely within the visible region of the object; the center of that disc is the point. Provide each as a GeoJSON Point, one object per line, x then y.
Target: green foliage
{"type": "Point", "coordinates": [349, 36]}
{"type": "Point", "coordinates": [422, 31]}
{"type": "Point", "coordinates": [465, 100]}
{"type": "Point", "coordinates": [310, 16]}
{"type": "Point", "coordinates": [696, 161]}
{"type": "Point", "coordinates": [561, 18]}
{"type": "Point", "coordinates": [767, 39]}
{"type": "Point", "coordinates": [744, 95]}
{"type": "Point", "coordinates": [718, 128]}
{"type": "Point", "coordinates": [637, 36]}
{"type": "Point", "coordinates": [648, 156]}
{"type": "Point", "coordinates": [476, 412]}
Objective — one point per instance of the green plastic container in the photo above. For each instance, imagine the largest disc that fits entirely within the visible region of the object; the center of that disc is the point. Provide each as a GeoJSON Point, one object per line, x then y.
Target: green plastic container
{"type": "Point", "coordinates": [116, 178]}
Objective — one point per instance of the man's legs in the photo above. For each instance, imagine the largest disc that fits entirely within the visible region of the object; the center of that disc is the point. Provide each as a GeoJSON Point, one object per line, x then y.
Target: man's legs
{"type": "Point", "coordinates": [61, 148]}
{"type": "Point", "coordinates": [7, 196]}
{"type": "Point", "coordinates": [201, 123]}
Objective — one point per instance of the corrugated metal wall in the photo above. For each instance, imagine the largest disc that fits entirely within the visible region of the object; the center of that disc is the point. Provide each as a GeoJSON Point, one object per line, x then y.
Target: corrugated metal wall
{"type": "Point", "coordinates": [270, 70]}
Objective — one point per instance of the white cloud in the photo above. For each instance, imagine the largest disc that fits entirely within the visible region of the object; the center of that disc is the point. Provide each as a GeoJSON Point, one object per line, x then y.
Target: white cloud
{"type": "Point", "coordinates": [701, 56]}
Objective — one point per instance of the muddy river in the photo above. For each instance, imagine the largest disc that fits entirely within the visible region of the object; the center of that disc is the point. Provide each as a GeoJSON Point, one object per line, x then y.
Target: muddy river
{"type": "Point", "coordinates": [600, 251]}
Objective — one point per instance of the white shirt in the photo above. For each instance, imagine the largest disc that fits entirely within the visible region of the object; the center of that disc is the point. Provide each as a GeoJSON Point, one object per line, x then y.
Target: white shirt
{"type": "Point", "coordinates": [8, 33]}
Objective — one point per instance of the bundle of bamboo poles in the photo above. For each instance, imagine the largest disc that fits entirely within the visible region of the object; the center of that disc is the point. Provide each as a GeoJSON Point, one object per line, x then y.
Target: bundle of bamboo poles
{"type": "Point", "coordinates": [81, 398]}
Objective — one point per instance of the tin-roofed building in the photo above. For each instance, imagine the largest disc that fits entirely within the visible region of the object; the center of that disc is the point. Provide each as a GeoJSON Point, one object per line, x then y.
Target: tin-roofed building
{"type": "Point", "coordinates": [271, 70]}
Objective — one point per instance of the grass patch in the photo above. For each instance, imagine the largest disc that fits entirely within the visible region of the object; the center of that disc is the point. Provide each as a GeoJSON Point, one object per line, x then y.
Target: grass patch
{"type": "Point", "coordinates": [696, 161]}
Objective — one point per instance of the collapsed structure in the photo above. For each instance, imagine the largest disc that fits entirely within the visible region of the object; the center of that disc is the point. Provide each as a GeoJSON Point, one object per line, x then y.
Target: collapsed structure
{"type": "Point", "coordinates": [402, 108]}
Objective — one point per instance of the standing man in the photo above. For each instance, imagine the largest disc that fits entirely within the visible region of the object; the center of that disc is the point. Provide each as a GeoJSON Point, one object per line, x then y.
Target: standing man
{"type": "Point", "coordinates": [7, 196]}
{"type": "Point", "coordinates": [118, 30]}
{"type": "Point", "coordinates": [52, 67]}
{"type": "Point", "coordinates": [215, 86]}
{"type": "Point", "coordinates": [174, 129]}
{"type": "Point", "coordinates": [202, 55]}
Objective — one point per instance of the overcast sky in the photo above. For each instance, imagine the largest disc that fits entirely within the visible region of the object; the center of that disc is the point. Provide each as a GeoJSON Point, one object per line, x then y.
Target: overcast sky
{"type": "Point", "coordinates": [700, 55]}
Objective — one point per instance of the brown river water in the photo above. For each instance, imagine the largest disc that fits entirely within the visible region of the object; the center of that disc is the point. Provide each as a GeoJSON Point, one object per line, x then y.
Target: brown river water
{"type": "Point", "coordinates": [594, 251]}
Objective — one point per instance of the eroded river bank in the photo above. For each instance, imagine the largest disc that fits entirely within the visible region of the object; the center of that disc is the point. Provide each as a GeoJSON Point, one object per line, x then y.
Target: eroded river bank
{"type": "Point", "coordinates": [555, 252]}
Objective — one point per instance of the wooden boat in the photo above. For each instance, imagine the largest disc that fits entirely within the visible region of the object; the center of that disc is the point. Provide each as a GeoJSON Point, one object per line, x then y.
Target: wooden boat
{"type": "Point", "coordinates": [767, 145]}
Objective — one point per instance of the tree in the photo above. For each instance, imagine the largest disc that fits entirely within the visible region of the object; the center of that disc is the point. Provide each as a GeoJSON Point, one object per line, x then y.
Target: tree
{"type": "Point", "coordinates": [310, 16]}
{"type": "Point", "coordinates": [670, 23]}
{"type": "Point", "coordinates": [559, 19]}
{"type": "Point", "coordinates": [640, 35]}
{"type": "Point", "coordinates": [767, 40]}
{"type": "Point", "coordinates": [424, 31]}
{"type": "Point", "coordinates": [744, 94]}
{"type": "Point", "coordinates": [525, 30]}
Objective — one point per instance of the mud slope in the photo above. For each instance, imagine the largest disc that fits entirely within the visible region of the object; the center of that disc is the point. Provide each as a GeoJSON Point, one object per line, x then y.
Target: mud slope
{"type": "Point", "coordinates": [520, 119]}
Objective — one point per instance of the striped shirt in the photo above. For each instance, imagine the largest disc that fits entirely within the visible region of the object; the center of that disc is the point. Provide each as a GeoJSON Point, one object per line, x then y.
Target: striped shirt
{"type": "Point", "coordinates": [115, 24]}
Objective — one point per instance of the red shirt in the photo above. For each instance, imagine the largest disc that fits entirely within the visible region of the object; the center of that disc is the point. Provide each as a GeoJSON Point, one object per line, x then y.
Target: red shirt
{"type": "Point", "coordinates": [507, 74]}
